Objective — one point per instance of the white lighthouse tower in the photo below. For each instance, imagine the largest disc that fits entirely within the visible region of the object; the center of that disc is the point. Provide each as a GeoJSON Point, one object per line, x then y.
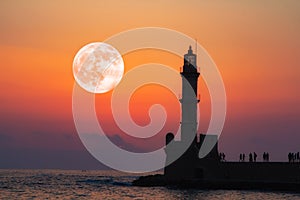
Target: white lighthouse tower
{"type": "Point", "coordinates": [184, 166]}
{"type": "Point", "coordinates": [189, 99]}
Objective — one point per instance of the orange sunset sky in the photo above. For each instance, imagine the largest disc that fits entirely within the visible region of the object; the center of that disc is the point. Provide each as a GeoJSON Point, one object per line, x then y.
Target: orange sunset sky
{"type": "Point", "coordinates": [255, 45]}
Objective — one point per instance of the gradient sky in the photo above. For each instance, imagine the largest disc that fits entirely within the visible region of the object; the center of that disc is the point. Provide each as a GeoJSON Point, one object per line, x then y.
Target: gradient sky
{"type": "Point", "coordinates": [255, 45]}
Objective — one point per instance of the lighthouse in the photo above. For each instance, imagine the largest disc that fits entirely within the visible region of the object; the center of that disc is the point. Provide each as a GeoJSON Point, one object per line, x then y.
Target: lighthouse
{"type": "Point", "coordinates": [184, 166]}
{"type": "Point", "coordinates": [188, 165]}
{"type": "Point", "coordinates": [189, 99]}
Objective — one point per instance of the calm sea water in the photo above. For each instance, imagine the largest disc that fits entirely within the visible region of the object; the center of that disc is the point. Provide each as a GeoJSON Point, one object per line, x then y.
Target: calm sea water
{"type": "Point", "coordinates": [68, 184]}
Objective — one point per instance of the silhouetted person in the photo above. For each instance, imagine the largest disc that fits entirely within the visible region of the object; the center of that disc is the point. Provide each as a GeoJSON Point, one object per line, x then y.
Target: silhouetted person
{"type": "Point", "coordinates": [264, 157]}
{"type": "Point", "coordinates": [254, 156]}
{"type": "Point", "coordinates": [267, 157]}
{"type": "Point", "coordinates": [298, 156]}
{"type": "Point", "coordinates": [250, 157]}
{"type": "Point", "coordinates": [244, 157]}
{"type": "Point", "coordinates": [241, 157]}
{"type": "Point", "coordinates": [290, 157]}
{"type": "Point", "coordinates": [223, 154]}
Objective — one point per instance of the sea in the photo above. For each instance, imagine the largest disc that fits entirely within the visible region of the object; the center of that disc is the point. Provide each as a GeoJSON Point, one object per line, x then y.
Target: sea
{"type": "Point", "coordinates": [107, 184]}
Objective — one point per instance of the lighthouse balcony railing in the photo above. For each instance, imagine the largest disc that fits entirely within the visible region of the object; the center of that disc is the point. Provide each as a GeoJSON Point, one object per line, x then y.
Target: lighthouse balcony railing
{"type": "Point", "coordinates": [181, 70]}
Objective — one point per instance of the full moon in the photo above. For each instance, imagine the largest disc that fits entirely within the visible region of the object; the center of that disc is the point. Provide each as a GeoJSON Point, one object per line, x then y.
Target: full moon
{"type": "Point", "coordinates": [98, 67]}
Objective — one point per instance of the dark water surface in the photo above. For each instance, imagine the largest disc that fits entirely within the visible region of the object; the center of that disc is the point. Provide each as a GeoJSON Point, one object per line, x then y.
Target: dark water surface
{"type": "Point", "coordinates": [73, 184]}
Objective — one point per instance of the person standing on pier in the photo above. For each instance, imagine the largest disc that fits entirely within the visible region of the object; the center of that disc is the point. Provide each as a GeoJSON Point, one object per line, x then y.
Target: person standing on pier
{"type": "Point", "coordinates": [255, 156]}
{"type": "Point", "coordinates": [250, 157]}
